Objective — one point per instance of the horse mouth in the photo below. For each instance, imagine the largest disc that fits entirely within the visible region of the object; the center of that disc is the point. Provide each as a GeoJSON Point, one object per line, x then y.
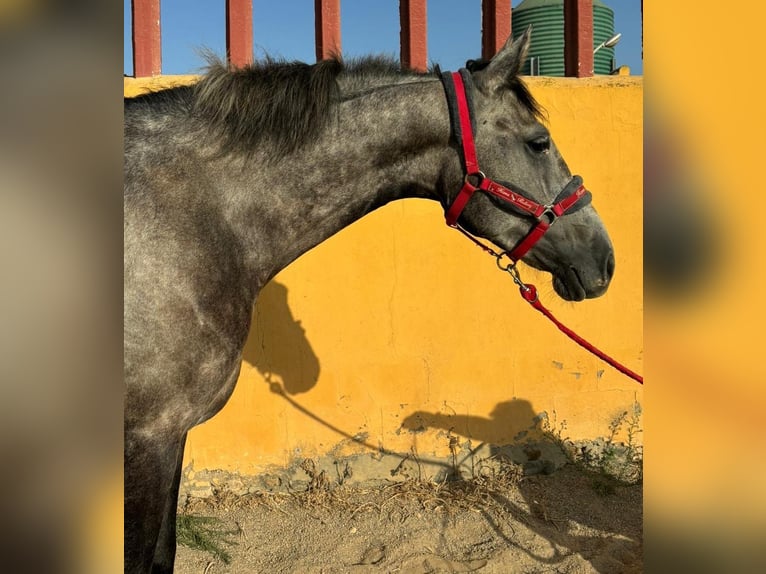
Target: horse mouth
{"type": "Point", "coordinates": [569, 286]}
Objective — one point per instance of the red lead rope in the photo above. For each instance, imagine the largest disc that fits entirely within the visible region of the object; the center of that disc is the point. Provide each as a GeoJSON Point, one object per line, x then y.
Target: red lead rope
{"type": "Point", "coordinates": [529, 293]}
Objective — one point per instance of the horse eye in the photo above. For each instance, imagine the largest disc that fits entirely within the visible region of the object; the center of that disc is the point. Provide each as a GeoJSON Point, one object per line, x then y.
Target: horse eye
{"type": "Point", "coordinates": [539, 144]}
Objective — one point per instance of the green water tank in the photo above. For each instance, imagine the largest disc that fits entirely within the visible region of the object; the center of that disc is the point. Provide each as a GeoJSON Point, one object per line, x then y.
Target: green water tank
{"type": "Point", "coordinates": [547, 20]}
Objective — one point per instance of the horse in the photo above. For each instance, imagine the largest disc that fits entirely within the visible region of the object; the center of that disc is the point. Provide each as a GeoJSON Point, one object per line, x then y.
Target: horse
{"type": "Point", "coordinates": [229, 180]}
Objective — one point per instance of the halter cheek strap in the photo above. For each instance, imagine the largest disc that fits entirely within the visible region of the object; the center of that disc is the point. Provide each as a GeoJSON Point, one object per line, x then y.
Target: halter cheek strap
{"type": "Point", "coordinates": [573, 197]}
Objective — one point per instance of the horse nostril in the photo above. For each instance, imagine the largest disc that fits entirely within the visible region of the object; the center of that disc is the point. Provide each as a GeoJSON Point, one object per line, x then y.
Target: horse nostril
{"type": "Point", "coordinates": [609, 268]}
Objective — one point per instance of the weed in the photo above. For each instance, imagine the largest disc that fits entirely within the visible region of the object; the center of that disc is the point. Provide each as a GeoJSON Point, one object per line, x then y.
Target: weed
{"type": "Point", "coordinates": [555, 432]}
{"type": "Point", "coordinates": [318, 481]}
{"type": "Point", "coordinates": [347, 471]}
{"type": "Point", "coordinates": [623, 461]}
{"type": "Point", "coordinates": [616, 462]}
{"type": "Point", "coordinates": [454, 443]}
{"type": "Point", "coordinates": [205, 533]}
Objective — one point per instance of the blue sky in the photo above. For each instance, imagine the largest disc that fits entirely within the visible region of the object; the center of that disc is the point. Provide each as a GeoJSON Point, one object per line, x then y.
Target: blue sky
{"type": "Point", "coordinates": [286, 28]}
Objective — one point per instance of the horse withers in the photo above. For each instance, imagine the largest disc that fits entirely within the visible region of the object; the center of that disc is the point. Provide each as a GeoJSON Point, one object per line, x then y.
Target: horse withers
{"type": "Point", "coordinates": [231, 179]}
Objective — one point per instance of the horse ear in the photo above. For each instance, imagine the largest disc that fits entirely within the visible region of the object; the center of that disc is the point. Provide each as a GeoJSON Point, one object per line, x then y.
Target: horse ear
{"type": "Point", "coordinates": [507, 63]}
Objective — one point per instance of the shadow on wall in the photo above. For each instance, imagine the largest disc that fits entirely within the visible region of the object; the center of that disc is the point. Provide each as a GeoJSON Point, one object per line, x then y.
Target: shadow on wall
{"type": "Point", "coordinates": [277, 344]}
{"type": "Point", "coordinates": [512, 423]}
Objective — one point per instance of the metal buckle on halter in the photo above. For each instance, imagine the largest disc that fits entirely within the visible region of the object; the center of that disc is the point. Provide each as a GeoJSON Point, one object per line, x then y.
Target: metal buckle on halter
{"type": "Point", "coordinates": [547, 214]}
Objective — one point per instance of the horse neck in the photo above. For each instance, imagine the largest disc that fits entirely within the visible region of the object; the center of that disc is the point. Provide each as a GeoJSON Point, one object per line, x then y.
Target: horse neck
{"type": "Point", "coordinates": [385, 144]}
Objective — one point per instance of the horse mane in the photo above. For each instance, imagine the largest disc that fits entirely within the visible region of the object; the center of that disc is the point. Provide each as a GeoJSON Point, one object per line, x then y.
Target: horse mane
{"type": "Point", "coordinates": [286, 103]}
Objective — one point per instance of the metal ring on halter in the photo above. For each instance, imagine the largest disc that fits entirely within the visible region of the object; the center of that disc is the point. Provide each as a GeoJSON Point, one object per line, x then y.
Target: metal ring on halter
{"type": "Point", "coordinates": [479, 175]}
{"type": "Point", "coordinates": [499, 258]}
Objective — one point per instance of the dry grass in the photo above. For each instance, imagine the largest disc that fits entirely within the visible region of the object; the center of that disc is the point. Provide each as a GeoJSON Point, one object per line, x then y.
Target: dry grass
{"type": "Point", "coordinates": [494, 480]}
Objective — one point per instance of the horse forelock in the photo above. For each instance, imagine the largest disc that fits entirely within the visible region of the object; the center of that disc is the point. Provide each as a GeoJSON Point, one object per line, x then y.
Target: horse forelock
{"type": "Point", "coordinates": [285, 103]}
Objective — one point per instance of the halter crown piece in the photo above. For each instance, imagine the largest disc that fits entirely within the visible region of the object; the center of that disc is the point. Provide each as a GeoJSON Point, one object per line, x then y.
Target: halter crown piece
{"type": "Point", "coordinates": [572, 198]}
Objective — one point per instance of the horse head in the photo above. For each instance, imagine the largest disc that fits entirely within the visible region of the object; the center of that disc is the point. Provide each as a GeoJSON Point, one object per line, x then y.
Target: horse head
{"type": "Point", "coordinates": [521, 162]}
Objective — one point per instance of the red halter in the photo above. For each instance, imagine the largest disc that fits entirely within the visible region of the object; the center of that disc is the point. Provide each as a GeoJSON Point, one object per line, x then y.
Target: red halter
{"type": "Point", "coordinates": [546, 215]}
{"type": "Point", "coordinates": [574, 196]}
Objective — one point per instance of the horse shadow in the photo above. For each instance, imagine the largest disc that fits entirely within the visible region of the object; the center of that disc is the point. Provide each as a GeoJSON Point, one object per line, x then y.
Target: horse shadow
{"type": "Point", "coordinates": [553, 492]}
{"type": "Point", "coordinates": [277, 344]}
{"type": "Point", "coordinates": [279, 349]}
{"type": "Point", "coordinates": [531, 445]}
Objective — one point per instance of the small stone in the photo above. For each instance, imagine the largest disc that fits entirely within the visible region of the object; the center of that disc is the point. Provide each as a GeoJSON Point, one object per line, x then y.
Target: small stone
{"type": "Point", "coordinates": [237, 487]}
{"type": "Point", "coordinates": [533, 467]}
{"type": "Point", "coordinates": [271, 482]}
{"type": "Point", "coordinates": [373, 554]}
{"type": "Point", "coordinates": [201, 492]}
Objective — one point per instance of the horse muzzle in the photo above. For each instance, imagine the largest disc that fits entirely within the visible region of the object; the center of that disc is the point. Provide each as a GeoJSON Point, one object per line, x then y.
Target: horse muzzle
{"type": "Point", "coordinates": [584, 281]}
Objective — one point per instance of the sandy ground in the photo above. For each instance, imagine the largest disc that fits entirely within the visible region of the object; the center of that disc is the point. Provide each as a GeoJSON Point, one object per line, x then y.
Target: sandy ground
{"type": "Point", "coordinates": [571, 521]}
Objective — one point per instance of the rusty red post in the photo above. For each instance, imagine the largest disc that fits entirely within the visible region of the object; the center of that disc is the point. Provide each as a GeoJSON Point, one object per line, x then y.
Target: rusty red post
{"type": "Point", "coordinates": [413, 35]}
{"type": "Point", "coordinates": [147, 47]}
{"type": "Point", "coordinates": [495, 26]}
{"type": "Point", "coordinates": [578, 38]}
{"type": "Point", "coordinates": [327, 28]}
{"type": "Point", "coordinates": [239, 32]}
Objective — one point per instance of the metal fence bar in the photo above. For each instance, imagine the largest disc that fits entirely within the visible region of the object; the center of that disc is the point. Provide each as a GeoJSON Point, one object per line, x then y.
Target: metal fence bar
{"type": "Point", "coordinates": [239, 32]}
{"type": "Point", "coordinates": [578, 38]}
{"type": "Point", "coordinates": [327, 28]}
{"type": "Point", "coordinates": [147, 46]}
{"type": "Point", "coordinates": [495, 26]}
{"type": "Point", "coordinates": [413, 35]}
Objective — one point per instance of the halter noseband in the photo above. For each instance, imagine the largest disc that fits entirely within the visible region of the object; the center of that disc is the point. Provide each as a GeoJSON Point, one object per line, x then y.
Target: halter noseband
{"type": "Point", "coordinates": [573, 197]}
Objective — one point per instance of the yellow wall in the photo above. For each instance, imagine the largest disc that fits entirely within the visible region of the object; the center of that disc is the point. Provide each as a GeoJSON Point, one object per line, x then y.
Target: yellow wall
{"type": "Point", "coordinates": [399, 314]}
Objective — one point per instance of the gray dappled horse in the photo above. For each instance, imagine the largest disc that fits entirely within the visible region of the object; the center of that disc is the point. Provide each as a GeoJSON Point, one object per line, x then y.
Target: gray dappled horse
{"type": "Point", "coordinates": [229, 180]}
